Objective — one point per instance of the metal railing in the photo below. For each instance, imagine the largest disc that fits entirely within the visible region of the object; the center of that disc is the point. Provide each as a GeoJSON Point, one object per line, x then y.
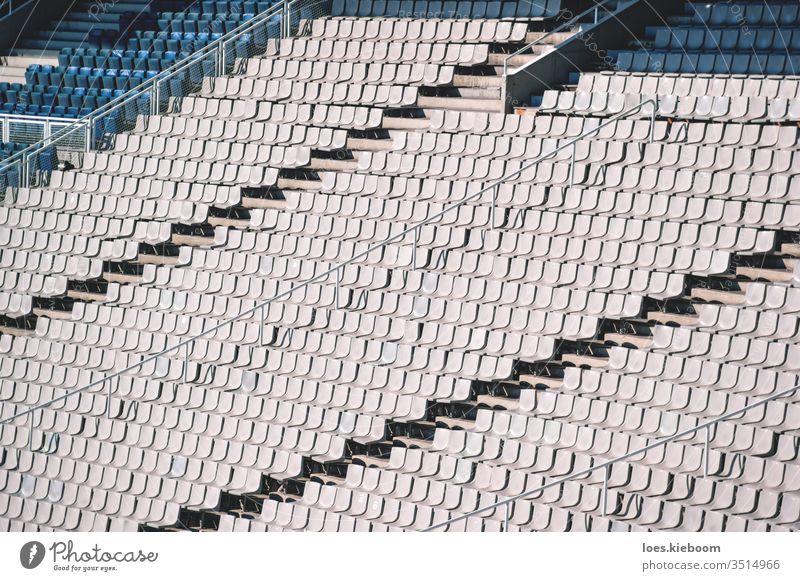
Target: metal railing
{"type": "Point", "coordinates": [29, 129]}
{"type": "Point", "coordinates": [149, 97]}
{"type": "Point", "coordinates": [574, 21]}
{"type": "Point", "coordinates": [606, 466]}
{"type": "Point", "coordinates": [411, 231]}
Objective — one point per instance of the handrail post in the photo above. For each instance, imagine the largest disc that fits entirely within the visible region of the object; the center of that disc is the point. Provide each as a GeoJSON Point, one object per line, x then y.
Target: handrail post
{"type": "Point", "coordinates": [336, 292]}
{"type": "Point", "coordinates": [186, 363]}
{"type": "Point", "coordinates": [221, 61]}
{"type": "Point", "coordinates": [505, 517]}
{"type": "Point", "coordinates": [414, 251]}
{"type": "Point", "coordinates": [653, 121]}
{"type": "Point", "coordinates": [572, 166]}
{"type": "Point", "coordinates": [30, 431]}
{"type": "Point", "coordinates": [495, 193]}
{"type": "Point", "coordinates": [261, 328]}
{"type": "Point", "coordinates": [108, 400]}
{"type": "Point", "coordinates": [596, 13]}
{"type": "Point", "coordinates": [605, 489]}
{"type": "Point", "coordinates": [154, 108]}
{"type": "Point", "coordinates": [706, 448]}
{"type": "Point", "coordinates": [90, 139]}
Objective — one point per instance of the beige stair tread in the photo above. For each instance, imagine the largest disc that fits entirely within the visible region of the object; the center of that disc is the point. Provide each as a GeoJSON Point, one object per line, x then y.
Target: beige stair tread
{"type": "Point", "coordinates": [720, 296]}
{"type": "Point", "coordinates": [357, 144]}
{"type": "Point", "coordinates": [541, 380]}
{"type": "Point", "coordinates": [477, 81]}
{"type": "Point", "coordinates": [640, 341]}
{"type": "Point", "coordinates": [346, 165]}
{"type": "Point", "coordinates": [585, 360]}
{"type": "Point", "coordinates": [675, 318]}
{"type": "Point", "coordinates": [16, 332]}
{"type": "Point", "coordinates": [371, 461]}
{"type": "Point", "coordinates": [499, 59]}
{"type": "Point", "coordinates": [326, 478]}
{"type": "Point", "coordinates": [495, 401]}
{"type": "Point", "coordinates": [122, 278]}
{"type": "Point", "coordinates": [155, 259]}
{"type": "Point", "coordinates": [84, 296]}
{"type": "Point", "coordinates": [63, 315]}
{"type": "Point", "coordinates": [462, 104]}
{"type": "Point", "coordinates": [263, 203]}
{"type": "Point", "coordinates": [771, 274]}
{"type": "Point", "coordinates": [189, 240]}
{"type": "Point", "coordinates": [405, 123]}
{"type": "Point", "coordinates": [792, 249]}
{"type": "Point", "coordinates": [229, 222]}
{"type": "Point", "coordinates": [455, 422]}
{"type": "Point", "coordinates": [552, 38]}
{"type": "Point", "coordinates": [413, 442]}
{"type": "Point", "coordinates": [295, 184]}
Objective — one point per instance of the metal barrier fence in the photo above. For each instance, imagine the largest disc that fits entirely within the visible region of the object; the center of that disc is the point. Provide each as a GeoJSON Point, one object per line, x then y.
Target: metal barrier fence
{"type": "Point", "coordinates": [25, 129]}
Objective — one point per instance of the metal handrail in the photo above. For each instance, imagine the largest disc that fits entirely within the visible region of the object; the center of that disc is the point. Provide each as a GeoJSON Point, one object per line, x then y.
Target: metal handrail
{"type": "Point", "coordinates": [572, 22]}
{"type": "Point", "coordinates": [606, 466]}
{"type": "Point", "coordinates": [494, 187]}
{"type": "Point", "coordinates": [46, 124]}
{"type": "Point", "coordinates": [87, 121]}
{"type": "Point", "coordinates": [33, 118]}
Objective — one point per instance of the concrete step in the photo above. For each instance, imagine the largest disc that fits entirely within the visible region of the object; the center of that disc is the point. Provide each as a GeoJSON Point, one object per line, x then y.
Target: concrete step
{"type": "Point", "coordinates": [11, 79]}
{"type": "Point", "coordinates": [355, 144]}
{"type": "Point", "coordinates": [22, 62]}
{"type": "Point", "coordinates": [792, 249]}
{"type": "Point", "coordinates": [83, 26]}
{"type": "Point", "coordinates": [555, 38]}
{"type": "Point", "coordinates": [718, 295]}
{"type": "Point", "coordinates": [406, 123]}
{"type": "Point", "coordinates": [584, 360]}
{"type": "Point", "coordinates": [12, 74]}
{"type": "Point", "coordinates": [45, 57]}
{"type": "Point", "coordinates": [540, 380]}
{"type": "Point", "coordinates": [770, 274]}
{"type": "Point", "coordinates": [477, 81]}
{"type": "Point", "coordinates": [66, 35]}
{"type": "Point", "coordinates": [462, 104]}
{"type": "Point", "coordinates": [478, 92]}
{"type": "Point", "coordinates": [673, 318]}
{"type": "Point", "coordinates": [519, 60]}
{"type": "Point", "coordinates": [41, 44]}
{"type": "Point", "coordinates": [497, 402]}
{"type": "Point", "coordinates": [638, 341]}
{"type": "Point", "coordinates": [346, 165]}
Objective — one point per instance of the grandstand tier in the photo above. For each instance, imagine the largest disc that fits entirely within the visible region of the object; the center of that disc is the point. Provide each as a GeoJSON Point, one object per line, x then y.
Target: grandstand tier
{"type": "Point", "coordinates": [614, 263]}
